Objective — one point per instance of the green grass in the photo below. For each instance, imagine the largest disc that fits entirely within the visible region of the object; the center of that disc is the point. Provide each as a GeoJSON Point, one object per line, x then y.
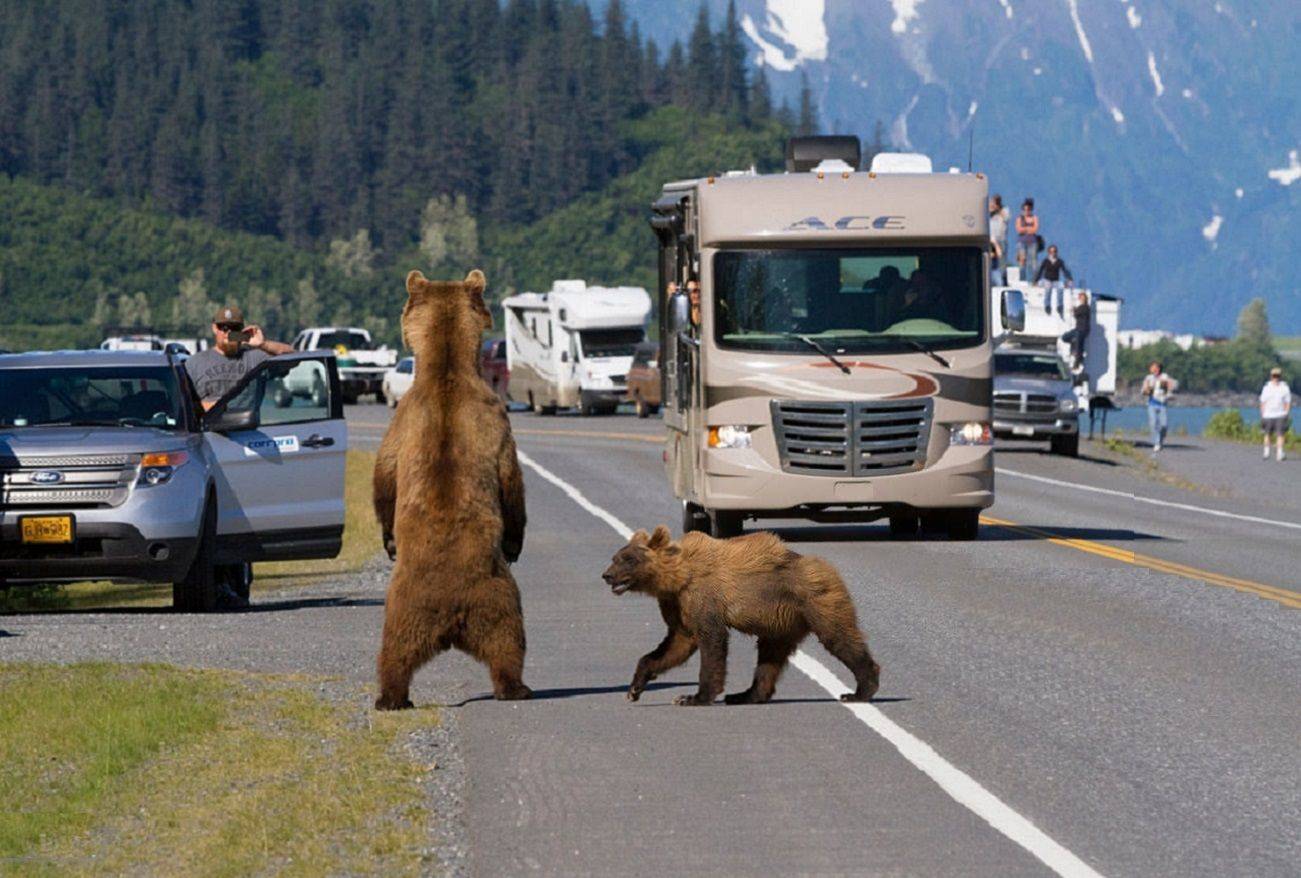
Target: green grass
{"type": "Point", "coordinates": [110, 769]}
{"type": "Point", "coordinates": [361, 542]}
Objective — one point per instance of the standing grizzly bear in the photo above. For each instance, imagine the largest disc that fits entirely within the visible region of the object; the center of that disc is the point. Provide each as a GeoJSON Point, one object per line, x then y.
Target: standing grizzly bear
{"type": "Point", "coordinates": [753, 584]}
{"type": "Point", "coordinates": [449, 496]}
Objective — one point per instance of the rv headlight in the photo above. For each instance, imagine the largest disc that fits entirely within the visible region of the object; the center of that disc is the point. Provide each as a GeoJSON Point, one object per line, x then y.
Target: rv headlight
{"type": "Point", "coordinates": [729, 436]}
{"type": "Point", "coordinates": [971, 433]}
{"type": "Point", "coordinates": [1068, 405]}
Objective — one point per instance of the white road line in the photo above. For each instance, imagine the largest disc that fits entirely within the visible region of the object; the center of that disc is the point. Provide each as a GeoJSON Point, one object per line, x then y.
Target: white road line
{"type": "Point", "coordinates": [1138, 498]}
{"type": "Point", "coordinates": [961, 786]}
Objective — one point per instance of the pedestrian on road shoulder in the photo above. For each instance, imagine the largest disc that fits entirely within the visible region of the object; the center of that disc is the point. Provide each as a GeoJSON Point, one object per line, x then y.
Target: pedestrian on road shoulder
{"type": "Point", "coordinates": [1157, 387]}
{"type": "Point", "coordinates": [1275, 404]}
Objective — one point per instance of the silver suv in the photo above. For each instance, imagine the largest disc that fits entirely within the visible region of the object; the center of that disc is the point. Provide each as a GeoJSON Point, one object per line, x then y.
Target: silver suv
{"type": "Point", "coordinates": [109, 469]}
{"type": "Point", "coordinates": [1034, 398]}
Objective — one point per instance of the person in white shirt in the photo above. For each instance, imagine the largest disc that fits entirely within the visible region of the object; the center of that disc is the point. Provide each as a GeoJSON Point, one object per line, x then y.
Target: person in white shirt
{"type": "Point", "coordinates": [1157, 387]}
{"type": "Point", "coordinates": [1275, 403]}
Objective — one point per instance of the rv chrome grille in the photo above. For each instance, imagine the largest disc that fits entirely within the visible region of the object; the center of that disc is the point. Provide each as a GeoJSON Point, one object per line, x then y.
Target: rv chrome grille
{"type": "Point", "coordinates": [874, 438]}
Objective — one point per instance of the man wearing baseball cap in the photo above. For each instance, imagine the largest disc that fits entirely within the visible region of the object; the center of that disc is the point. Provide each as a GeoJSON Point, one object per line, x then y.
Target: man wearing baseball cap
{"type": "Point", "coordinates": [1275, 406]}
{"type": "Point", "coordinates": [237, 347]}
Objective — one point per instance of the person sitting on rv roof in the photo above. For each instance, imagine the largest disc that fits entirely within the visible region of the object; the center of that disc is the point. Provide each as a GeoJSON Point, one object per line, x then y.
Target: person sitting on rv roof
{"type": "Point", "coordinates": [1050, 274]}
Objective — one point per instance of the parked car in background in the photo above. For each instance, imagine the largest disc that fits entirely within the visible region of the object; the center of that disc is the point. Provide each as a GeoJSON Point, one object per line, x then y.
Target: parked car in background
{"type": "Point", "coordinates": [135, 342]}
{"type": "Point", "coordinates": [493, 366]}
{"type": "Point", "coordinates": [361, 365]}
{"type": "Point", "coordinates": [644, 379]}
{"type": "Point", "coordinates": [1035, 398]}
{"type": "Point", "coordinates": [110, 470]}
{"type": "Point", "coordinates": [397, 381]}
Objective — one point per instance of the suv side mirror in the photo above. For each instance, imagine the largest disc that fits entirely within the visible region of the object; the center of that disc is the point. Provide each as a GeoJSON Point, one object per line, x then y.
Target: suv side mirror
{"type": "Point", "coordinates": [1013, 311]}
{"type": "Point", "coordinates": [227, 421]}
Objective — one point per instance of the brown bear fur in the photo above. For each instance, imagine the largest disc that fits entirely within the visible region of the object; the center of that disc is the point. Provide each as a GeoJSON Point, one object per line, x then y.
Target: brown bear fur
{"type": "Point", "coordinates": [751, 583]}
{"type": "Point", "coordinates": [449, 496]}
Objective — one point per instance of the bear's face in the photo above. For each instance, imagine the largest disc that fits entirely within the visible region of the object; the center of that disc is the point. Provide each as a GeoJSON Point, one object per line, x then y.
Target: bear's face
{"type": "Point", "coordinates": [443, 320]}
{"type": "Point", "coordinates": [640, 565]}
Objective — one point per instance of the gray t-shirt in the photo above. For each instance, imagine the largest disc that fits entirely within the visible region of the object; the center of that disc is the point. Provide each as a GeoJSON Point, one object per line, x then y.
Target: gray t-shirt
{"type": "Point", "coordinates": [213, 373]}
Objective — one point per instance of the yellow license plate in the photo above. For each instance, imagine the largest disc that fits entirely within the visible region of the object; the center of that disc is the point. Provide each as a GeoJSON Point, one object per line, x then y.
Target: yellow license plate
{"type": "Point", "coordinates": [47, 529]}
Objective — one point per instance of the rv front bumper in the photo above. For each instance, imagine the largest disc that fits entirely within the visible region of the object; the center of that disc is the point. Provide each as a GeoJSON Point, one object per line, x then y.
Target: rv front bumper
{"type": "Point", "coordinates": [961, 477]}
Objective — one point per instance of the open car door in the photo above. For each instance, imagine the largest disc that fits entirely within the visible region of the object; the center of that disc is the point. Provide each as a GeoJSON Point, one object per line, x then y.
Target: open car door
{"type": "Point", "coordinates": [279, 441]}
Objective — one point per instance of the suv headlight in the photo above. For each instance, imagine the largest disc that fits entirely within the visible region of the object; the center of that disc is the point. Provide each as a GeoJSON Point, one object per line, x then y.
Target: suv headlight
{"type": "Point", "coordinates": [1068, 405]}
{"type": "Point", "coordinates": [157, 467]}
{"type": "Point", "coordinates": [971, 433]}
{"type": "Point", "coordinates": [729, 436]}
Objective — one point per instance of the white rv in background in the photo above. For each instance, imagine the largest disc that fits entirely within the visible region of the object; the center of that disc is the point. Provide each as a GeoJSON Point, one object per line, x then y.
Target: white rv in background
{"type": "Point", "coordinates": [572, 346]}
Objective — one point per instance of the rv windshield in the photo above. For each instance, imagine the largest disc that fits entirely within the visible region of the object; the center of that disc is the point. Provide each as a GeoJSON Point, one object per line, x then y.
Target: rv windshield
{"type": "Point", "coordinates": [878, 299]}
{"type": "Point", "coordinates": [610, 342]}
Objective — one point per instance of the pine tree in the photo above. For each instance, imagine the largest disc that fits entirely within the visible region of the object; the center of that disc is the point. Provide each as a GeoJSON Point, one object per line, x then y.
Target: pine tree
{"type": "Point", "coordinates": [733, 84]}
{"type": "Point", "coordinates": [807, 121]}
{"type": "Point", "coordinates": [704, 71]}
{"type": "Point", "coordinates": [1253, 323]}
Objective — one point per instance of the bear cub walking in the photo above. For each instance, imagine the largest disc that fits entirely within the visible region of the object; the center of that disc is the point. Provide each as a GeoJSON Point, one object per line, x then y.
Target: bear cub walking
{"type": "Point", "coordinates": [751, 583]}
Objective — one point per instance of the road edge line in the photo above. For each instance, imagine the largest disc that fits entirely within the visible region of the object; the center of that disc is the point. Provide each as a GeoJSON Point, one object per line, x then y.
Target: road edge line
{"type": "Point", "coordinates": [1139, 498]}
{"type": "Point", "coordinates": [960, 786]}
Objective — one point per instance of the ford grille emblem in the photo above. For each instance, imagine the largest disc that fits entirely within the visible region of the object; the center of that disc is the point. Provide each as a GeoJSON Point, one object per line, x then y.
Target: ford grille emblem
{"type": "Point", "coordinates": [47, 477]}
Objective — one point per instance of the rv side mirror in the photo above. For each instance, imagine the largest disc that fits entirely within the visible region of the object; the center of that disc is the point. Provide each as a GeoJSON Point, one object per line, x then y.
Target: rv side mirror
{"type": "Point", "coordinates": [564, 356]}
{"type": "Point", "coordinates": [1013, 311]}
{"type": "Point", "coordinates": [679, 312]}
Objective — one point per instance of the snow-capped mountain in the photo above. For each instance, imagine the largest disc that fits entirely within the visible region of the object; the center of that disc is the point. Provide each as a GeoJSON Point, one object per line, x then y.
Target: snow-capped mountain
{"type": "Point", "coordinates": [1159, 138]}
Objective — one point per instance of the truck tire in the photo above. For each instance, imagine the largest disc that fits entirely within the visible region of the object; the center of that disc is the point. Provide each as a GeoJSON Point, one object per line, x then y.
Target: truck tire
{"type": "Point", "coordinates": [724, 524]}
{"type": "Point", "coordinates": [694, 519]}
{"type": "Point", "coordinates": [643, 410]}
{"type": "Point", "coordinates": [539, 408]}
{"type": "Point", "coordinates": [1067, 446]}
{"type": "Point", "coordinates": [586, 409]}
{"type": "Point", "coordinates": [238, 578]}
{"type": "Point", "coordinates": [904, 526]}
{"type": "Point", "coordinates": [197, 592]}
{"type": "Point", "coordinates": [380, 395]}
{"type": "Point", "coordinates": [964, 524]}
{"type": "Point", "coordinates": [933, 522]}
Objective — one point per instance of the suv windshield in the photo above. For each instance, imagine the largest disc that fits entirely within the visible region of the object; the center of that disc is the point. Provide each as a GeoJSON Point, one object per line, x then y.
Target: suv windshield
{"type": "Point", "coordinates": [1031, 365]}
{"type": "Point", "coordinates": [610, 342]}
{"type": "Point", "coordinates": [350, 340]}
{"type": "Point", "coordinates": [877, 299]}
{"type": "Point", "coordinates": [108, 396]}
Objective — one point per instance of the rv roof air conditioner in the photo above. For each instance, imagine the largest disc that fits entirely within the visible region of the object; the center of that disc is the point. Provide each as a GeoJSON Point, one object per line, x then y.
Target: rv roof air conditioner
{"type": "Point", "coordinates": [806, 153]}
{"type": "Point", "coordinates": [901, 163]}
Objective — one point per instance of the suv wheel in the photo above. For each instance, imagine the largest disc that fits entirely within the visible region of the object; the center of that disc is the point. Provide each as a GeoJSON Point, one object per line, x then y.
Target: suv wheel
{"type": "Point", "coordinates": [904, 526]}
{"type": "Point", "coordinates": [197, 592]}
{"type": "Point", "coordinates": [694, 519]}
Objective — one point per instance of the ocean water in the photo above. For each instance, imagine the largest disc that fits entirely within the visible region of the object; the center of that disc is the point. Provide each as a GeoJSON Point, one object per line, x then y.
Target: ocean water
{"type": "Point", "coordinates": [1190, 420]}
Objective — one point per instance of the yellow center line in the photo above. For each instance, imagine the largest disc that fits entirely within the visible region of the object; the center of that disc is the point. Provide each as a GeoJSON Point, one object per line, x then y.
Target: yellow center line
{"type": "Point", "coordinates": [1269, 592]}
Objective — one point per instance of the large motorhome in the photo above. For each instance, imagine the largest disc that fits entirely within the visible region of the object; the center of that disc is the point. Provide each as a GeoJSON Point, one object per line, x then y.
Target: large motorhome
{"type": "Point", "coordinates": [573, 346]}
{"type": "Point", "coordinates": [838, 367]}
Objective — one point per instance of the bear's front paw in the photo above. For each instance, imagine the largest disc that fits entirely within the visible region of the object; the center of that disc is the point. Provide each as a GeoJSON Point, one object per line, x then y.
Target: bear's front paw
{"type": "Point", "coordinates": [692, 701]}
{"type": "Point", "coordinates": [633, 694]}
{"type": "Point", "coordinates": [512, 551]}
{"type": "Point", "coordinates": [391, 546]}
{"type": "Point", "coordinates": [855, 696]}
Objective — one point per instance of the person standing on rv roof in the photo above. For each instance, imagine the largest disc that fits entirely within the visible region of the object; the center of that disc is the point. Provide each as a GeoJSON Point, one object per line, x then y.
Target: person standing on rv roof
{"type": "Point", "coordinates": [1027, 239]}
{"type": "Point", "coordinates": [1049, 275]}
{"type": "Point", "coordinates": [998, 241]}
{"type": "Point", "coordinates": [1275, 404]}
{"type": "Point", "coordinates": [1157, 387]}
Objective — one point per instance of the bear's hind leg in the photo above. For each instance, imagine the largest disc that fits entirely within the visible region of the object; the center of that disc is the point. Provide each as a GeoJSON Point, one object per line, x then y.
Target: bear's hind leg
{"type": "Point", "coordinates": [494, 634]}
{"type": "Point", "coordinates": [772, 661]}
{"type": "Point", "coordinates": [838, 632]}
{"type": "Point", "coordinates": [411, 638]}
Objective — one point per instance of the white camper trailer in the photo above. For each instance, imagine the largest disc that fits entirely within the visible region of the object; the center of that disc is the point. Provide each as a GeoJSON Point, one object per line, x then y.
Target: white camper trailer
{"type": "Point", "coordinates": [1048, 315]}
{"type": "Point", "coordinates": [573, 346]}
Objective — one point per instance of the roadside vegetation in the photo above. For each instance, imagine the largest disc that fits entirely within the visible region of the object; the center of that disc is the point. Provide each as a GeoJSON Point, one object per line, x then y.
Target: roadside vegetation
{"type": "Point", "coordinates": [1232, 427]}
{"type": "Point", "coordinates": [361, 542]}
{"type": "Point", "coordinates": [1240, 365]}
{"type": "Point", "coordinates": [110, 769]}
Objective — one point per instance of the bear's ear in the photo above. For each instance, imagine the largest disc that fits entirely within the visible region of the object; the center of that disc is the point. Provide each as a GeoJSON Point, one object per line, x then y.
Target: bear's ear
{"type": "Point", "coordinates": [639, 538]}
{"type": "Point", "coordinates": [476, 282]}
{"type": "Point", "coordinates": [415, 282]}
{"type": "Point", "coordinates": [660, 538]}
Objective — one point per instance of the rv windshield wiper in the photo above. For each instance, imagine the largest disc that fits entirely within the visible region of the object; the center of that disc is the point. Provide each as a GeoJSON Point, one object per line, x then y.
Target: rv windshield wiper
{"type": "Point", "coordinates": [819, 348]}
{"type": "Point", "coordinates": [921, 348]}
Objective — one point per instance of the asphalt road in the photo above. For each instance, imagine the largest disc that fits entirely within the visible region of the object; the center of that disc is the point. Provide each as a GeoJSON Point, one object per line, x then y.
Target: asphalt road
{"type": "Point", "coordinates": [1111, 681]}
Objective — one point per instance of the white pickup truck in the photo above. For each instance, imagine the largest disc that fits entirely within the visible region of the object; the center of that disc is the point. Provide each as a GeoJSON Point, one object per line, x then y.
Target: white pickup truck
{"type": "Point", "coordinates": [361, 364]}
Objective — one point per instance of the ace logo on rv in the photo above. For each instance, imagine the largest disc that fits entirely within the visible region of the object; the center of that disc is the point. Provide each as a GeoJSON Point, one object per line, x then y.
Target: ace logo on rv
{"type": "Point", "coordinates": [885, 222]}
